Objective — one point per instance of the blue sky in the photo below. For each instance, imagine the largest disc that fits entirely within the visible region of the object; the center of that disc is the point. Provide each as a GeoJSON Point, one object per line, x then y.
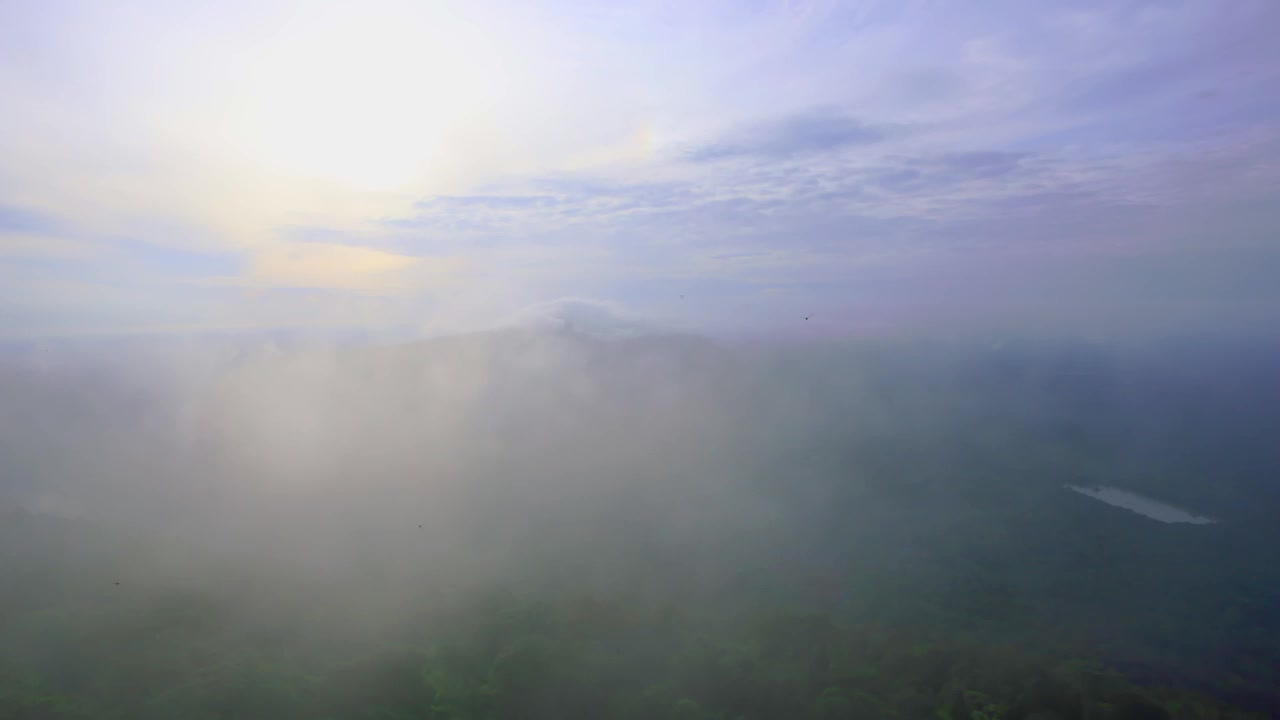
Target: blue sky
{"type": "Point", "coordinates": [1106, 167]}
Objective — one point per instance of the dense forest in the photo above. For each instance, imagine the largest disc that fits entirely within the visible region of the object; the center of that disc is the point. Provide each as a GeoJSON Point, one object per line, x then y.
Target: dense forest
{"type": "Point", "coordinates": [545, 525]}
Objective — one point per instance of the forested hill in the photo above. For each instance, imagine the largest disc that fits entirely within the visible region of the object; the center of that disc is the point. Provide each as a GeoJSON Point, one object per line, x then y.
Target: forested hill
{"type": "Point", "coordinates": [93, 630]}
{"type": "Point", "coordinates": [550, 526]}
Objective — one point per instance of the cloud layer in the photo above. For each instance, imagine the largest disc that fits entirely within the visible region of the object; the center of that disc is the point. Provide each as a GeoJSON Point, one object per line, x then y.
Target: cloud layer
{"type": "Point", "coordinates": [884, 162]}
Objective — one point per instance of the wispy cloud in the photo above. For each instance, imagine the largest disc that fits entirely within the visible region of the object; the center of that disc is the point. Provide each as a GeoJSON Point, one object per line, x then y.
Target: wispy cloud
{"type": "Point", "coordinates": [345, 267]}
{"type": "Point", "coordinates": [821, 131]}
{"type": "Point", "coordinates": [474, 162]}
{"type": "Point", "coordinates": [593, 317]}
{"type": "Point", "coordinates": [33, 245]}
{"type": "Point", "coordinates": [20, 220]}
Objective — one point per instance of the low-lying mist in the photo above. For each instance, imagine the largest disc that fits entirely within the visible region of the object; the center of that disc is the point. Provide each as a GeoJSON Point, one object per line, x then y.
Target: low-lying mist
{"type": "Point", "coordinates": [349, 495]}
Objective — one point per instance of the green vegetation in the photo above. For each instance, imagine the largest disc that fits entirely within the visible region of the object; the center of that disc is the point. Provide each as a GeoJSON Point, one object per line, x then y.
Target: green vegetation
{"type": "Point", "coordinates": [579, 657]}
{"type": "Point", "coordinates": [893, 542]}
{"type": "Point", "coordinates": [221, 640]}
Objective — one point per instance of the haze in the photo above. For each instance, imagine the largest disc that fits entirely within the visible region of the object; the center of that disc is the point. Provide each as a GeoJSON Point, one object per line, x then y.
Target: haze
{"type": "Point", "coordinates": [698, 360]}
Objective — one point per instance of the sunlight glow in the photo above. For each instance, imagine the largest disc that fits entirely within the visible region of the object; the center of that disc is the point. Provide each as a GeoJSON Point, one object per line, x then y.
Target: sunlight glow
{"type": "Point", "coordinates": [364, 100]}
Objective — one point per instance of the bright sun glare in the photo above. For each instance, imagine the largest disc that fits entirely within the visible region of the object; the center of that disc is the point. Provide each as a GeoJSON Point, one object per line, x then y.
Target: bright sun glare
{"type": "Point", "coordinates": [363, 100]}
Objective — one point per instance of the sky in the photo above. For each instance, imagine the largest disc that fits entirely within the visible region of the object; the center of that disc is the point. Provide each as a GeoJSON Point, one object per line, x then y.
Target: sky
{"type": "Point", "coordinates": [718, 167]}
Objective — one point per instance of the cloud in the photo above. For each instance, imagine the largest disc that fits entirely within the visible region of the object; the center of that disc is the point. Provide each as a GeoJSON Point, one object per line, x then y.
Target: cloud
{"type": "Point", "coordinates": [21, 220]}
{"type": "Point", "coordinates": [1130, 84]}
{"type": "Point", "coordinates": [807, 133]}
{"type": "Point", "coordinates": [31, 234]}
{"type": "Point", "coordinates": [345, 267]}
{"type": "Point", "coordinates": [592, 317]}
{"type": "Point", "coordinates": [1226, 43]}
{"type": "Point", "coordinates": [983, 164]}
{"type": "Point", "coordinates": [496, 202]}
{"type": "Point", "coordinates": [780, 145]}
{"type": "Point", "coordinates": [33, 245]}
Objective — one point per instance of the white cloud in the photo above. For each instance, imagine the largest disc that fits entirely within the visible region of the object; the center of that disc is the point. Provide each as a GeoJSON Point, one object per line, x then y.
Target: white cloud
{"type": "Point", "coordinates": [346, 267]}
{"type": "Point", "coordinates": [581, 315]}
{"type": "Point", "coordinates": [35, 245]}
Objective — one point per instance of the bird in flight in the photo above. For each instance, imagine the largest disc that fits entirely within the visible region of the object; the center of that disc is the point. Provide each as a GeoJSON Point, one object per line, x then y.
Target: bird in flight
{"type": "Point", "coordinates": [117, 582]}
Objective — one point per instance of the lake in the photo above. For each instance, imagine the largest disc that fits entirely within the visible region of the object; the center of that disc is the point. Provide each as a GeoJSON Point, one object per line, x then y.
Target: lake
{"type": "Point", "coordinates": [1140, 504]}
